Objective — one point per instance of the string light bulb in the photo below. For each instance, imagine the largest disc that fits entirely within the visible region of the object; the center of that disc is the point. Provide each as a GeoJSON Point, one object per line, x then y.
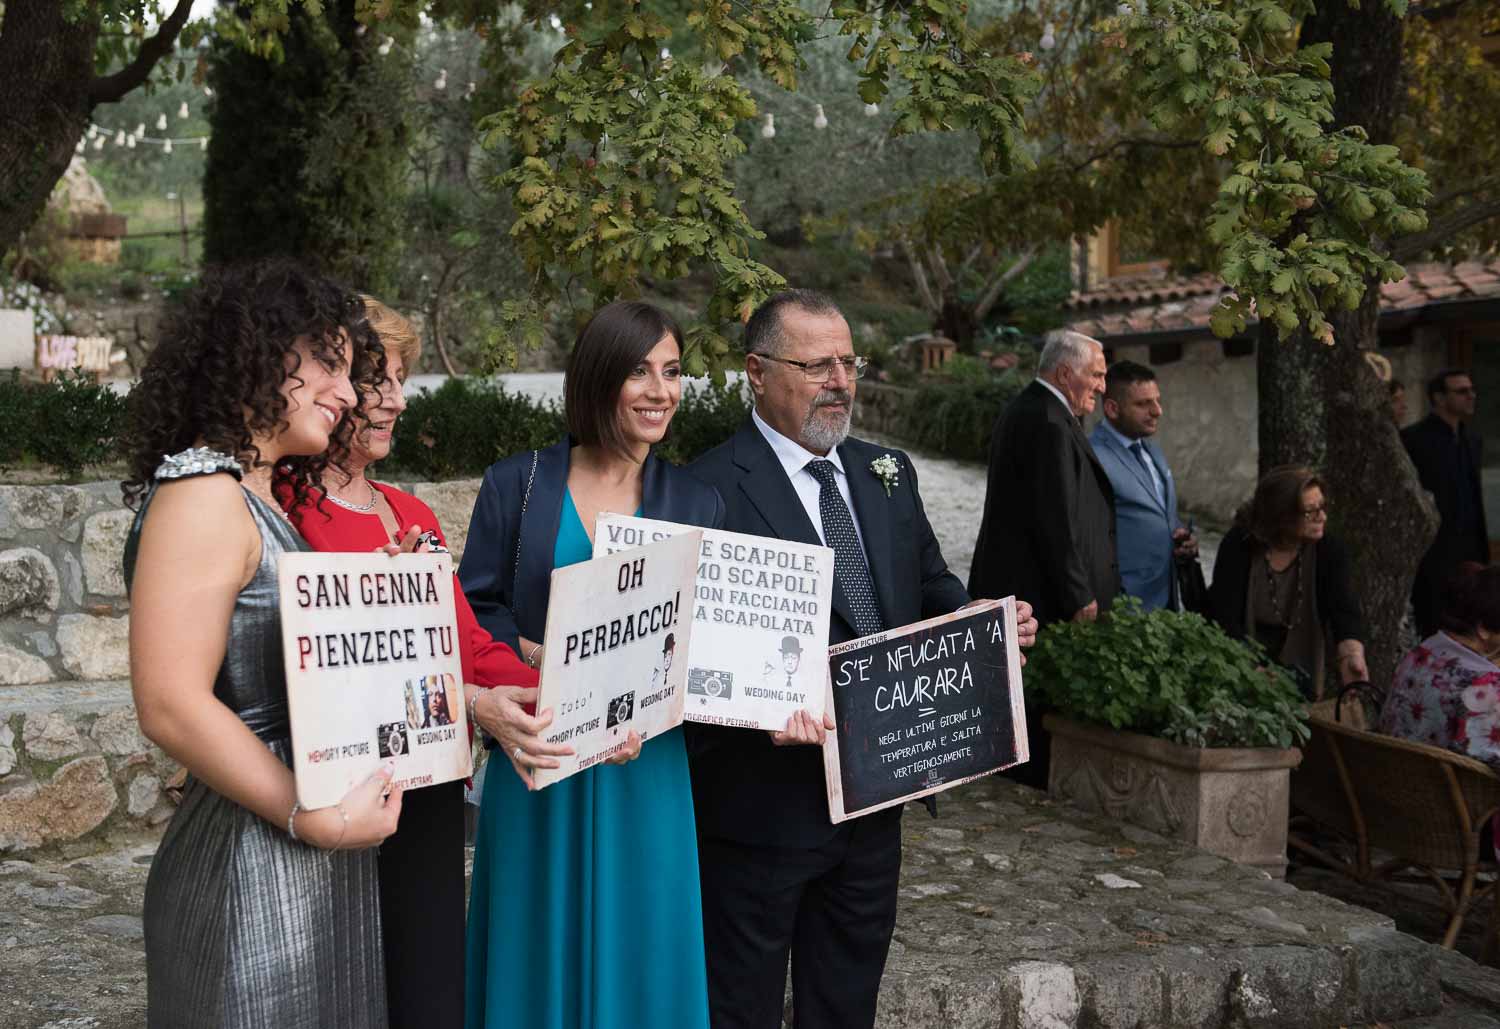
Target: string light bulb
{"type": "Point", "coordinates": [120, 138]}
{"type": "Point", "coordinates": [98, 142]}
{"type": "Point", "coordinates": [441, 83]}
{"type": "Point", "coordinates": [161, 122]}
{"type": "Point", "coordinates": [203, 143]}
{"type": "Point", "coordinates": [820, 121]}
{"type": "Point", "coordinates": [385, 46]}
{"type": "Point", "coordinates": [166, 146]}
{"type": "Point", "coordinates": [130, 142]}
{"type": "Point", "coordinates": [182, 111]}
{"type": "Point", "coordinates": [81, 146]}
{"type": "Point", "coordinates": [469, 90]}
{"type": "Point", "coordinates": [93, 131]}
{"type": "Point", "coordinates": [207, 91]}
{"type": "Point", "coordinates": [140, 129]}
{"type": "Point", "coordinates": [768, 130]}
{"type": "Point", "coordinates": [871, 110]}
{"type": "Point", "coordinates": [1049, 37]}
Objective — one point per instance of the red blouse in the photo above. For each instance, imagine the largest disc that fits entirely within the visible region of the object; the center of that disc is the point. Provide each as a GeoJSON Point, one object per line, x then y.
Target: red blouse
{"type": "Point", "coordinates": [486, 661]}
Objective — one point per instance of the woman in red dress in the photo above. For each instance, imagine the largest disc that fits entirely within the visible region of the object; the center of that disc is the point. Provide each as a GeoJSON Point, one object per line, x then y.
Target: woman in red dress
{"type": "Point", "coordinates": [422, 865]}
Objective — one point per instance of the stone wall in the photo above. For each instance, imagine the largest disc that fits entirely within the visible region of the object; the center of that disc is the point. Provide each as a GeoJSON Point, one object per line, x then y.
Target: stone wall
{"type": "Point", "coordinates": [72, 760]}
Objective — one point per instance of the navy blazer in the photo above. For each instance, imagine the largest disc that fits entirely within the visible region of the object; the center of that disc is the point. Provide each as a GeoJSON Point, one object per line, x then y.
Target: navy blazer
{"type": "Point", "coordinates": [510, 605]}
{"type": "Point", "coordinates": [1144, 522]}
{"type": "Point", "coordinates": [744, 788]}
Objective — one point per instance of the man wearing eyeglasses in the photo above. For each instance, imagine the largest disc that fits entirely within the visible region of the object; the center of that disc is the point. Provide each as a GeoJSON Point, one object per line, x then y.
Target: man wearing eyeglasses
{"type": "Point", "coordinates": [1447, 454]}
{"type": "Point", "coordinates": [778, 877]}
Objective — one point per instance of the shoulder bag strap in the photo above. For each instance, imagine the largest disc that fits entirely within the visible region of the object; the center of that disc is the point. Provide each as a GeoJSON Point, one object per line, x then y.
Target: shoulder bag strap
{"type": "Point", "coordinates": [525, 499]}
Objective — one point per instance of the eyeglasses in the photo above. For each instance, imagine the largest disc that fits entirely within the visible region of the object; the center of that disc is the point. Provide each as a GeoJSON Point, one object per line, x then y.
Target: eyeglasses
{"type": "Point", "coordinates": [822, 371]}
{"type": "Point", "coordinates": [1462, 391]}
{"type": "Point", "coordinates": [1316, 512]}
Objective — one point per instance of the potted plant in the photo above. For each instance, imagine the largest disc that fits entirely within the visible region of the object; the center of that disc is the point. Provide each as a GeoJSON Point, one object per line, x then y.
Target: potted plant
{"type": "Point", "coordinates": [1163, 720]}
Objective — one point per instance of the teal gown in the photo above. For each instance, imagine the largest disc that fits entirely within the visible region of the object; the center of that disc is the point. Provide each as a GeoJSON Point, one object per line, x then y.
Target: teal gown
{"type": "Point", "coordinates": [584, 911]}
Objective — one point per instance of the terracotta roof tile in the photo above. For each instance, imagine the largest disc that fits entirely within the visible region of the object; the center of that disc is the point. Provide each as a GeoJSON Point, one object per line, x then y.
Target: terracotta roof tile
{"type": "Point", "coordinates": [1185, 304]}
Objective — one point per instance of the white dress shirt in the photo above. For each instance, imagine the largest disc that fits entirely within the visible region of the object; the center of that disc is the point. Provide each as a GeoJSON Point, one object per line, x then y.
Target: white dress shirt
{"type": "Point", "coordinates": [795, 458]}
{"type": "Point", "coordinates": [1128, 443]}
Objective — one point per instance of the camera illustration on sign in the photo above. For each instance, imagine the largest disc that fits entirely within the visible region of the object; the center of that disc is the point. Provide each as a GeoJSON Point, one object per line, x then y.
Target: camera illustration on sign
{"type": "Point", "coordinates": [760, 610]}
{"type": "Point", "coordinates": [370, 647]}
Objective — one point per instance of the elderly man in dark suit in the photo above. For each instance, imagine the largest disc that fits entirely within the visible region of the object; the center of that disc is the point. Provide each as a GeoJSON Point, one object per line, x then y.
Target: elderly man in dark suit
{"type": "Point", "coordinates": [1448, 455]}
{"type": "Point", "coordinates": [778, 877]}
{"type": "Point", "coordinates": [1048, 531]}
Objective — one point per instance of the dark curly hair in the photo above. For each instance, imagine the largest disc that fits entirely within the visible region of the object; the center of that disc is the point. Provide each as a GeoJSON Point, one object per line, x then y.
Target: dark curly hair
{"type": "Point", "coordinates": [215, 377]}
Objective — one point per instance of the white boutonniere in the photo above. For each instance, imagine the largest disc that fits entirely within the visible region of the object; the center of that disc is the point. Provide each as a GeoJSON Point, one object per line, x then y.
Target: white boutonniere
{"type": "Point", "coordinates": [888, 470]}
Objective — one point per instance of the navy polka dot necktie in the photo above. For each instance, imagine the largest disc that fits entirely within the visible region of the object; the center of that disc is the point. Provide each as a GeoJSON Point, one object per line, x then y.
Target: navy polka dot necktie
{"type": "Point", "coordinates": [849, 568]}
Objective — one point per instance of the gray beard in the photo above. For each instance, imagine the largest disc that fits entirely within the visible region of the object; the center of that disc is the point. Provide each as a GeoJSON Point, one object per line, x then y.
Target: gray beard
{"type": "Point", "coordinates": [819, 434]}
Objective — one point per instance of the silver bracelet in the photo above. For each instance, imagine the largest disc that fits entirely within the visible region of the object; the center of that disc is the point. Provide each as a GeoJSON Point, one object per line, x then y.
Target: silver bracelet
{"type": "Point", "coordinates": [291, 828]}
{"type": "Point", "coordinates": [345, 828]}
{"type": "Point", "coordinates": [473, 701]}
{"type": "Point", "coordinates": [535, 650]}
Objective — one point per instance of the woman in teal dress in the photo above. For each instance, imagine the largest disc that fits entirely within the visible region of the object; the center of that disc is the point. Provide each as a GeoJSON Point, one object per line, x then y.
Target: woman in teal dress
{"type": "Point", "coordinates": [584, 910]}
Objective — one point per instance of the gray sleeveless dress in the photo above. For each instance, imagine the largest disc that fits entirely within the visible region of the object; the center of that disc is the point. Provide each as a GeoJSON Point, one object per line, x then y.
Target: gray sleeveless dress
{"type": "Point", "coordinates": [245, 927]}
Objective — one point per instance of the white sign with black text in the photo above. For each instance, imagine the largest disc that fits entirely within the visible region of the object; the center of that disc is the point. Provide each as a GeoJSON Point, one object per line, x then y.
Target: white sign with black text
{"type": "Point", "coordinates": [370, 645]}
{"type": "Point", "coordinates": [760, 622]}
{"type": "Point", "coordinates": [617, 627]}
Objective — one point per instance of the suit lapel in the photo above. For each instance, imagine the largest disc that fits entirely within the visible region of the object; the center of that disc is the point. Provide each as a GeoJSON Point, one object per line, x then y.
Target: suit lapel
{"type": "Point", "coordinates": [872, 510]}
{"type": "Point", "coordinates": [768, 490]}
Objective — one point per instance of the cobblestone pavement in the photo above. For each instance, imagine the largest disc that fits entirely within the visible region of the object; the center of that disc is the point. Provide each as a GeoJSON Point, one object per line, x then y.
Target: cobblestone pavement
{"type": "Point", "coordinates": [1016, 913]}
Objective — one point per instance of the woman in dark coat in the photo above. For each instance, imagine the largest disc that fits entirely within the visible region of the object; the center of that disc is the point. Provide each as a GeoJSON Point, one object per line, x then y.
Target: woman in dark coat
{"type": "Point", "coordinates": [1281, 580]}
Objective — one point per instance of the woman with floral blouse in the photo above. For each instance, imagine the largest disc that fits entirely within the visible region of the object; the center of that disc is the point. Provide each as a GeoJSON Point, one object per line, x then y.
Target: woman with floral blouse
{"type": "Point", "coordinates": [1446, 692]}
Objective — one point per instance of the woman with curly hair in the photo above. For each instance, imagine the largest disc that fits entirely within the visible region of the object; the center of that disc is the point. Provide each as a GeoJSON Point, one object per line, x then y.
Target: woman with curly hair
{"type": "Point", "coordinates": [423, 928]}
{"type": "Point", "coordinates": [257, 912]}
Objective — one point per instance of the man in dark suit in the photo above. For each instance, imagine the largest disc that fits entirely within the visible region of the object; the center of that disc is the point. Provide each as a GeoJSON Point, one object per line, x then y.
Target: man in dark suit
{"type": "Point", "coordinates": [778, 877]}
{"type": "Point", "coordinates": [1048, 531]}
{"type": "Point", "coordinates": [1448, 456]}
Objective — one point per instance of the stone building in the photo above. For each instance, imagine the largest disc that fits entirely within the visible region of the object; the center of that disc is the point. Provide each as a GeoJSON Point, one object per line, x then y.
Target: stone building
{"type": "Point", "coordinates": [1438, 316]}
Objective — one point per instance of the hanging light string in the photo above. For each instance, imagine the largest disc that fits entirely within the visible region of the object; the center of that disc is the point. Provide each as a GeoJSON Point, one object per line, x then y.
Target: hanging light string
{"type": "Point", "coordinates": [819, 119]}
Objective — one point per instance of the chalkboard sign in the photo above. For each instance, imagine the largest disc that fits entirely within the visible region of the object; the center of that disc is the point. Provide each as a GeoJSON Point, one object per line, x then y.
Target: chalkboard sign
{"type": "Point", "coordinates": [924, 708]}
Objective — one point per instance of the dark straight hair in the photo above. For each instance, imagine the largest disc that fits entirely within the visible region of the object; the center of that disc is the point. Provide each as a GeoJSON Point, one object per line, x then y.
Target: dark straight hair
{"type": "Point", "coordinates": [1123, 374]}
{"type": "Point", "coordinates": [616, 339]}
{"type": "Point", "coordinates": [1473, 600]}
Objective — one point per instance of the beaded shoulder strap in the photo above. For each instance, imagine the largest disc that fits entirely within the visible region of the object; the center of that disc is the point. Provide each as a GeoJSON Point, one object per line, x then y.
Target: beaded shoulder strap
{"type": "Point", "coordinates": [525, 499]}
{"type": "Point", "coordinates": [197, 461]}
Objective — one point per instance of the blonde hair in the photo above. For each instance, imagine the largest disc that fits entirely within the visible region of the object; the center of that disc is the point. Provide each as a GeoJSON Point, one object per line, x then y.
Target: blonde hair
{"type": "Point", "coordinates": [395, 332]}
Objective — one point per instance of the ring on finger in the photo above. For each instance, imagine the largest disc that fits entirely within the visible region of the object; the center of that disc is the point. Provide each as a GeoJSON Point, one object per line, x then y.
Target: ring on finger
{"type": "Point", "coordinates": [517, 753]}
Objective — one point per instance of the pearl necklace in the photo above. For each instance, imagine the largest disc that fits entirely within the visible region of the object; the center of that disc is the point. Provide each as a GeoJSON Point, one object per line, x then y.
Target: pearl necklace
{"type": "Point", "coordinates": [364, 508]}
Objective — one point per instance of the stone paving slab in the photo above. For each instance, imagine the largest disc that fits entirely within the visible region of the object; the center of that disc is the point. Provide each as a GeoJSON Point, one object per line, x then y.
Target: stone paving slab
{"type": "Point", "coordinates": [1017, 912]}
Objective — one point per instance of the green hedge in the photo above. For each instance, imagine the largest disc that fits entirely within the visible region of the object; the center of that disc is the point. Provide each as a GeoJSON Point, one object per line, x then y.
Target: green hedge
{"type": "Point", "coordinates": [468, 424]}
{"type": "Point", "coordinates": [956, 418]}
{"type": "Point", "coordinates": [67, 424]}
{"type": "Point", "coordinates": [456, 432]}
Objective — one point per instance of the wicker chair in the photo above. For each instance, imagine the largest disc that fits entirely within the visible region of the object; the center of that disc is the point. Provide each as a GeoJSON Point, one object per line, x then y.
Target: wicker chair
{"type": "Point", "coordinates": [1422, 805]}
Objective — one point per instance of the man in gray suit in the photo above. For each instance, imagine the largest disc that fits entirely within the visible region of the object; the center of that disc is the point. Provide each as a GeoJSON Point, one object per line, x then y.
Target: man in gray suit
{"type": "Point", "coordinates": [1148, 534]}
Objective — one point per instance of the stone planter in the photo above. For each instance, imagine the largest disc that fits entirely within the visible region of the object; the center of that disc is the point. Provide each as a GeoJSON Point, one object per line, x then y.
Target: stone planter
{"type": "Point", "coordinates": [1228, 801]}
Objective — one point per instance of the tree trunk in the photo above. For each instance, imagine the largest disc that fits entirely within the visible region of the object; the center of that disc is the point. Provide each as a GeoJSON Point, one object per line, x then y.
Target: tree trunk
{"type": "Point", "coordinates": [46, 67]}
{"type": "Point", "coordinates": [1323, 405]}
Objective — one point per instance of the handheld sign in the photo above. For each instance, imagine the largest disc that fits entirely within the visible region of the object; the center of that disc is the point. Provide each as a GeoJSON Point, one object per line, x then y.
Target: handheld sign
{"type": "Point", "coordinates": [372, 671]}
{"type": "Point", "coordinates": [760, 622]}
{"type": "Point", "coordinates": [617, 628]}
{"type": "Point", "coordinates": [924, 708]}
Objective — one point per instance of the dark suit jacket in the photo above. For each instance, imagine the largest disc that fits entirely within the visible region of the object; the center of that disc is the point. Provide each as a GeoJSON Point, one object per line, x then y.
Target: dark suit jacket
{"type": "Point", "coordinates": [744, 788]}
{"type": "Point", "coordinates": [509, 606]}
{"type": "Point", "coordinates": [1048, 533]}
{"type": "Point", "coordinates": [1430, 443]}
{"type": "Point", "coordinates": [1338, 608]}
